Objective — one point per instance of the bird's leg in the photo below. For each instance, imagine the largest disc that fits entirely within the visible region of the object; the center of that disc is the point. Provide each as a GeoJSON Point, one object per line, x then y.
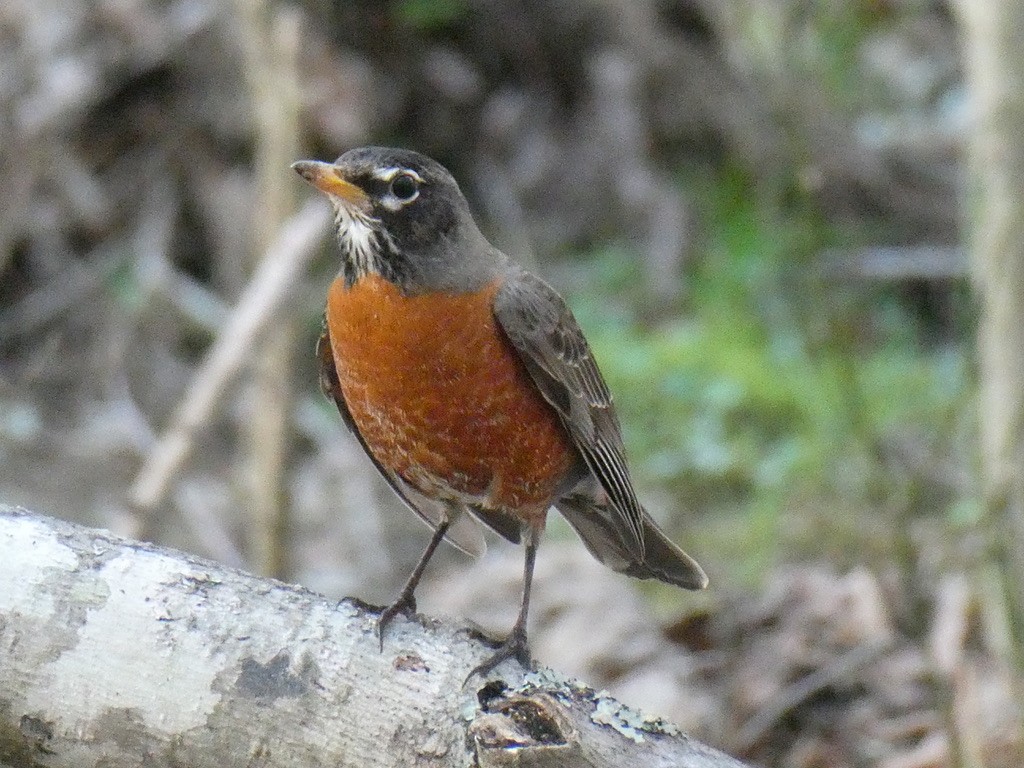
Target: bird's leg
{"type": "Point", "coordinates": [406, 600]}
{"type": "Point", "coordinates": [516, 645]}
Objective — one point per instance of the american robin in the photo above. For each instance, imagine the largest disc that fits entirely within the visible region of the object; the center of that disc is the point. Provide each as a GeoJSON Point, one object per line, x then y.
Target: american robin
{"type": "Point", "coordinates": [468, 382]}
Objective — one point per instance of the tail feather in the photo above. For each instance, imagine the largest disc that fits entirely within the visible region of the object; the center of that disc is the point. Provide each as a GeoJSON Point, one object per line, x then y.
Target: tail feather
{"type": "Point", "coordinates": [605, 536]}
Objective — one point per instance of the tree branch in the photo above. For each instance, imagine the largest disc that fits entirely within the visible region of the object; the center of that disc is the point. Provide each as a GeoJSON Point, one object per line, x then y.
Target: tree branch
{"type": "Point", "coordinates": [114, 651]}
{"type": "Point", "coordinates": [277, 272]}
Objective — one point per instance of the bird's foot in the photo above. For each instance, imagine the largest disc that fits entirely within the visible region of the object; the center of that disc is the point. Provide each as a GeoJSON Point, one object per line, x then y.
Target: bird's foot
{"type": "Point", "coordinates": [514, 647]}
{"type": "Point", "coordinates": [405, 605]}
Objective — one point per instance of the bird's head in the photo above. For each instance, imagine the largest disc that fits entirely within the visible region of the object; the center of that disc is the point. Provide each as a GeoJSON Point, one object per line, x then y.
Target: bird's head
{"type": "Point", "coordinates": [401, 215]}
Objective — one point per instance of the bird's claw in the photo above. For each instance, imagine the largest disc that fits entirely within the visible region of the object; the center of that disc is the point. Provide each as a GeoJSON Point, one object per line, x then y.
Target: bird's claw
{"type": "Point", "coordinates": [515, 647]}
{"type": "Point", "coordinates": [405, 605]}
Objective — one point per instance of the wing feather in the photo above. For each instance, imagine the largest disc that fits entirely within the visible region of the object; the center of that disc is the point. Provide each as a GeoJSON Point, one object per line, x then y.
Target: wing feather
{"type": "Point", "coordinates": [544, 332]}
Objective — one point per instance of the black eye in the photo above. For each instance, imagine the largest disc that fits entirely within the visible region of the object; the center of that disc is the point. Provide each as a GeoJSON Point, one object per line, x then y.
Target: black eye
{"type": "Point", "coordinates": [404, 186]}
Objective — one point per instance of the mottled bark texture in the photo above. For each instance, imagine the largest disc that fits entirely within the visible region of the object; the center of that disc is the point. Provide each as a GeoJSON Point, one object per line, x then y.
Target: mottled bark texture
{"type": "Point", "coordinates": [117, 653]}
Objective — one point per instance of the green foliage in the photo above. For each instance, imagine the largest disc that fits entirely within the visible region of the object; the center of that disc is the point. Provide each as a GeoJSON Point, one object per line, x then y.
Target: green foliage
{"type": "Point", "coordinates": [838, 31]}
{"type": "Point", "coordinates": [430, 15]}
{"type": "Point", "coordinates": [820, 42]}
{"type": "Point", "coordinates": [768, 403]}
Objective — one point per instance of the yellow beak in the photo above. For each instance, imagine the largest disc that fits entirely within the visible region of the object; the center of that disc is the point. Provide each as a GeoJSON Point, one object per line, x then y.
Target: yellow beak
{"type": "Point", "coordinates": [324, 177]}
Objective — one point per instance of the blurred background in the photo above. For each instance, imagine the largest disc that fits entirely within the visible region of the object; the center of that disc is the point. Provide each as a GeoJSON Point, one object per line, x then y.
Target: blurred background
{"type": "Point", "coordinates": [765, 215]}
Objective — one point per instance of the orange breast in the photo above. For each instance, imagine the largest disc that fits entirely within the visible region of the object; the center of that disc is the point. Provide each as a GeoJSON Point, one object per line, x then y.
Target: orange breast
{"type": "Point", "coordinates": [441, 398]}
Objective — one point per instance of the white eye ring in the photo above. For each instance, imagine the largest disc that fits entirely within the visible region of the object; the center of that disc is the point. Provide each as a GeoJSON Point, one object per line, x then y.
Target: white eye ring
{"type": "Point", "coordinates": [404, 187]}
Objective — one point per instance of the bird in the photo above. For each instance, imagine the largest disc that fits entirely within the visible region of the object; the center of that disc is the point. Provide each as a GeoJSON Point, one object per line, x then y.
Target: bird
{"type": "Point", "coordinates": [469, 384]}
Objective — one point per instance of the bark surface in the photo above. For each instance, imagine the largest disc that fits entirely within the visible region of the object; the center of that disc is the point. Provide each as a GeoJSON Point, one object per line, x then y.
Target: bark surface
{"type": "Point", "coordinates": [118, 653]}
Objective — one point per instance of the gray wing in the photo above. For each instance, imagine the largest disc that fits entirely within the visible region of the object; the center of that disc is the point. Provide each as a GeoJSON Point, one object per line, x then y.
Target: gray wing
{"type": "Point", "coordinates": [589, 515]}
{"type": "Point", "coordinates": [555, 352]}
{"type": "Point", "coordinates": [603, 508]}
{"type": "Point", "coordinates": [464, 533]}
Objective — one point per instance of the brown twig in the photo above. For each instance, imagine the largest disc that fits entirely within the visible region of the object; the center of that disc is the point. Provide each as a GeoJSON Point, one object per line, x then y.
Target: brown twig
{"type": "Point", "coordinates": [953, 678]}
{"type": "Point", "coordinates": [270, 43]}
{"type": "Point", "coordinates": [278, 271]}
{"type": "Point", "coordinates": [757, 727]}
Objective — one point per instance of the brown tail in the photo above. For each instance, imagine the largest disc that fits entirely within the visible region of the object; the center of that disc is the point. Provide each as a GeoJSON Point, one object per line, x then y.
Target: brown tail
{"type": "Point", "coordinates": [595, 523]}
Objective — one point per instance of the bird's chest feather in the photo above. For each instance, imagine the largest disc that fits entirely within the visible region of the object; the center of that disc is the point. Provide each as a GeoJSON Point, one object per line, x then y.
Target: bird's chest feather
{"type": "Point", "coordinates": [440, 396]}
